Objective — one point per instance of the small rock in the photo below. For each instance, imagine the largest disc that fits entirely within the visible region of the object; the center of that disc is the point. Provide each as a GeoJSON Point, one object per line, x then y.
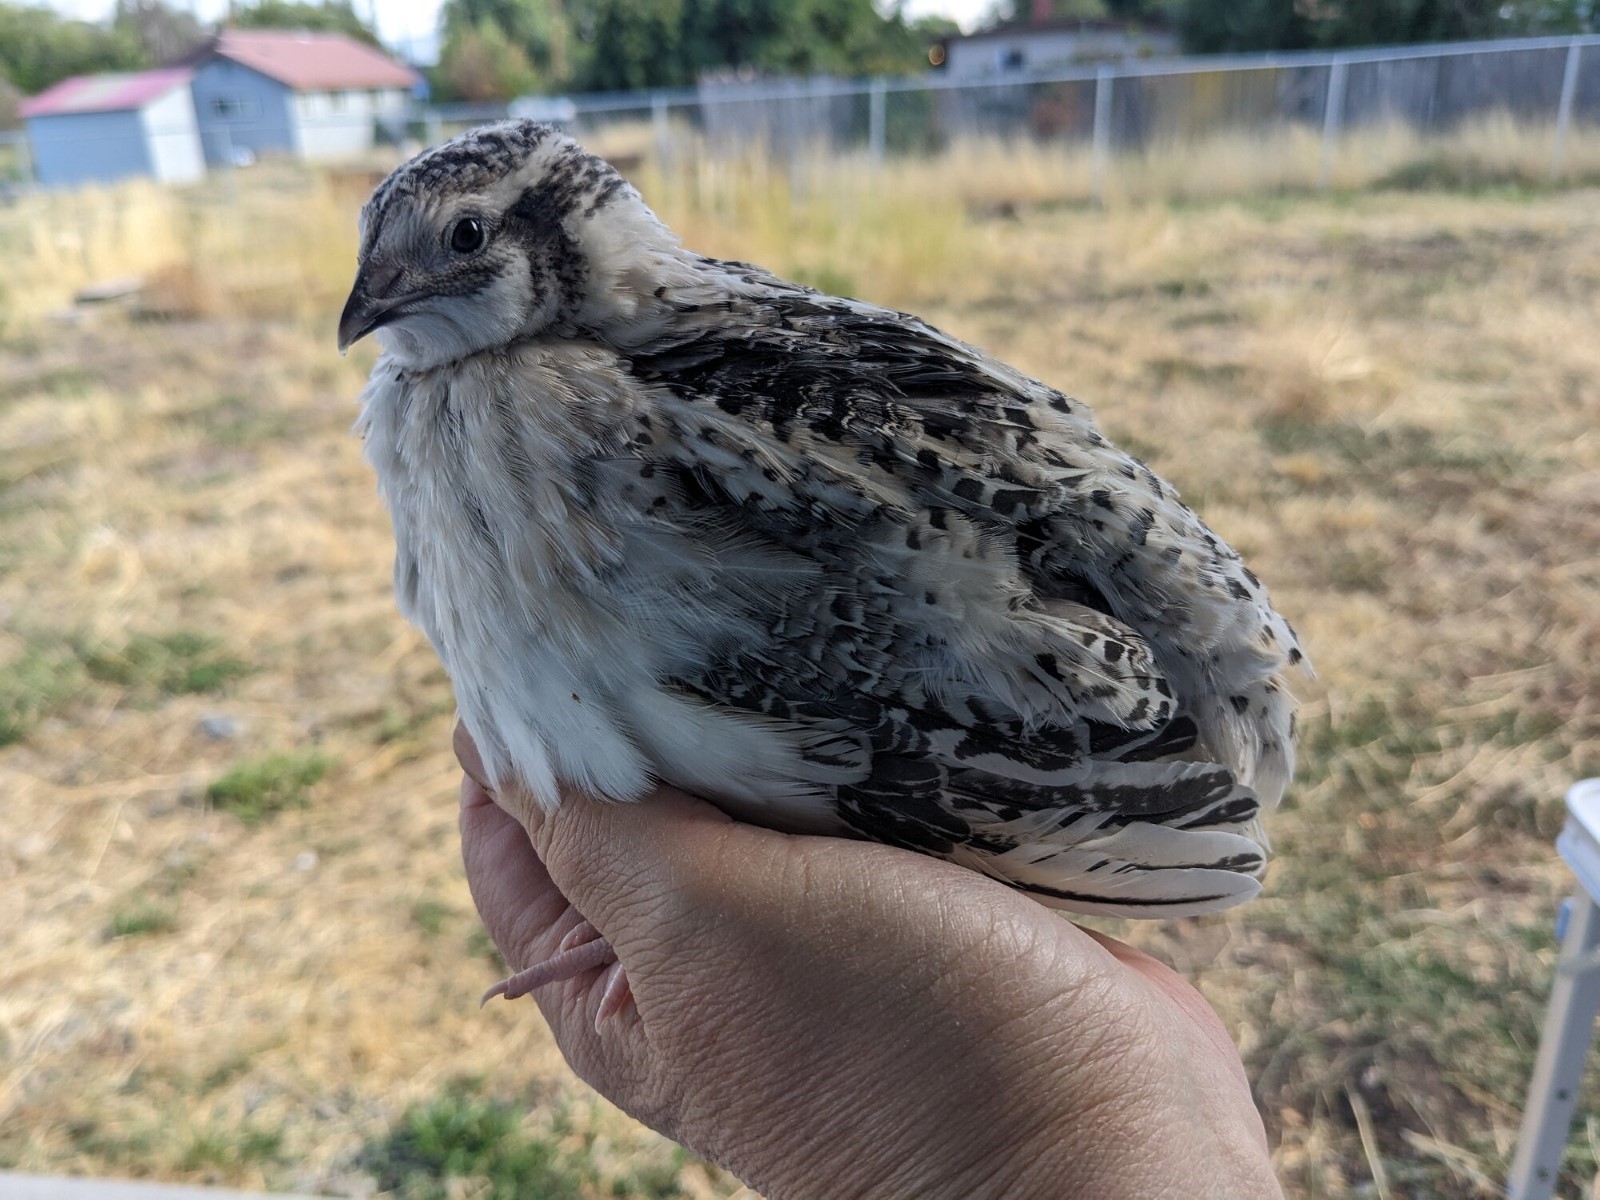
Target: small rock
{"type": "Point", "coordinates": [220, 728]}
{"type": "Point", "coordinates": [106, 290]}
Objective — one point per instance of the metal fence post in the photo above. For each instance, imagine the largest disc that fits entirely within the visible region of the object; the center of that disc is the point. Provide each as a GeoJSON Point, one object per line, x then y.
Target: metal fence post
{"type": "Point", "coordinates": [659, 126]}
{"type": "Point", "coordinates": [1569, 91]}
{"type": "Point", "coordinates": [1102, 131]}
{"type": "Point", "coordinates": [877, 98]}
{"type": "Point", "coordinates": [1332, 121]}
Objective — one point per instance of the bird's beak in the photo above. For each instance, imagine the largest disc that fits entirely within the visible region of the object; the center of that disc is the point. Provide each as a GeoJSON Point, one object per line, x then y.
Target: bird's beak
{"type": "Point", "coordinates": [371, 305]}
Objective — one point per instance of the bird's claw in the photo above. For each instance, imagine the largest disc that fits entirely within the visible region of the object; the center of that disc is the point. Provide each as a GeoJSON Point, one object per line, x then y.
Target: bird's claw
{"type": "Point", "coordinates": [614, 996]}
{"type": "Point", "coordinates": [563, 964]}
{"type": "Point", "coordinates": [581, 949]}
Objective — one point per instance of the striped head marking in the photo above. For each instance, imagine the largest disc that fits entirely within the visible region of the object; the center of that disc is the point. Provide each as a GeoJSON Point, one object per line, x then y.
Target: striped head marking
{"type": "Point", "coordinates": [483, 241]}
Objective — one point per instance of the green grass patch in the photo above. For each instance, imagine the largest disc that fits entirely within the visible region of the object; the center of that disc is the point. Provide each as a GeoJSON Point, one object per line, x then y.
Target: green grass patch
{"type": "Point", "coordinates": [1524, 727]}
{"type": "Point", "coordinates": [225, 1072]}
{"type": "Point", "coordinates": [402, 723]}
{"type": "Point", "coordinates": [463, 1144]}
{"type": "Point", "coordinates": [38, 683]}
{"type": "Point", "coordinates": [234, 420]}
{"type": "Point", "coordinates": [261, 788]}
{"type": "Point", "coordinates": [1179, 289]}
{"type": "Point", "coordinates": [481, 945]}
{"type": "Point", "coordinates": [1422, 1025]}
{"type": "Point", "coordinates": [1390, 735]}
{"type": "Point", "coordinates": [429, 915]}
{"type": "Point", "coordinates": [1377, 454]}
{"type": "Point", "coordinates": [1422, 1019]}
{"type": "Point", "coordinates": [653, 1181]}
{"type": "Point", "coordinates": [63, 381]}
{"type": "Point", "coordinates": [1204, 317]}
{"type": "Point", "coordinates": [142, 919]}
{"type": "Point", "coordinates": [1359, 571]}
{"type": "Point", "coordinates": [168, 664]}
{"type": "Point", "coordinates": [222, 1149]}
{"type": "Point", "coordinates": [117, 1149]}
{"type": "Point", "coordinates": [1447, 172]}
{"type": "Point", "coordinates": [1166, 370]}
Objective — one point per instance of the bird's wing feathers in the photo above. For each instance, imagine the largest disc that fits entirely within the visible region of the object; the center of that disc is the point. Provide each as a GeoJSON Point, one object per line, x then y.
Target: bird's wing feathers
{"type": "Point", "coordinates": [998, 604]}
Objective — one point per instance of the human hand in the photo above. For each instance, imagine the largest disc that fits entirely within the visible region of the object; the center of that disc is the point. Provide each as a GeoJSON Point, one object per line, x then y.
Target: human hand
{"type": "Point", "coordinates": [829, 1018]}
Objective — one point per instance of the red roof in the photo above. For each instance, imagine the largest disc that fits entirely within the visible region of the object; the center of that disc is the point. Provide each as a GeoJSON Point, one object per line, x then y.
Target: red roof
{"type": "Point", "coordinates": [310, 62]}
{"type": "Point", "coordinates": [105, 93]}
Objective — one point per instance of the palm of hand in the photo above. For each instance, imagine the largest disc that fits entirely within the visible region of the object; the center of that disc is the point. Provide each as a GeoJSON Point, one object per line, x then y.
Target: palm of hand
{"type": "Point", "coordinates": [833, 1018]}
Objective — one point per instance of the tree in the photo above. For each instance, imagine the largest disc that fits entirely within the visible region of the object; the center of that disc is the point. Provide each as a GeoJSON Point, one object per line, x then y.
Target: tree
{"type": "Point", "coordinates": [1209, 26]}
{"type": "Point", "coordinates": [164, 34]}
{"type": "Point", "coordinates": [727, 33]}
{"type": "Point", "coordinates": [10, 102]}
{"type": "Point", "coordinates": [633, 44]}
{"type": "Point", "coordinates": [479, 63]}
{"type": "Point", "coordinates": [1007, 11]}
{"type": "Point", "coordinates": [536, 27]}
{"type": "Point", "coordinates": [675, 41]}
{"type": "Point", "coordinates": [843, 37]}
{"type": "Point", "coordinates": [331, 16]}
{"type": "Point", "coordinates": [39, 48]}
{"type": "Point", "coordinates": [1219, 26]}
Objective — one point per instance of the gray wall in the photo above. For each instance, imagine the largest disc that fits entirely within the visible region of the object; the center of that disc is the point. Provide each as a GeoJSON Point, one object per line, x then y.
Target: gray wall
{"type": "Point", "coordinates": [991, 55]}
{"type": "Point", "coordinates": [241, 109]}
{"type": "Point", "coordinates": [77, 148]}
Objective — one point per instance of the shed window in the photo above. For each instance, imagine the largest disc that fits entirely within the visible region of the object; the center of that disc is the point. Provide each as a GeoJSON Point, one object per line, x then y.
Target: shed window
{"type": "Point", "coordinates": [231, 108]}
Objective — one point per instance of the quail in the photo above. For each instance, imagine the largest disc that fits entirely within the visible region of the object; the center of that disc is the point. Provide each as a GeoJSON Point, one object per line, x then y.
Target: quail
{"type": "Point", "coordinates": [672, 519]}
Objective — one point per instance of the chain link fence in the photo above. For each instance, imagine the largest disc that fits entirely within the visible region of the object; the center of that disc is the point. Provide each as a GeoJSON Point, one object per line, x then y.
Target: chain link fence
{"type": "Point", "coordinates": [1115, 109]}
{"type": "Point", "coordinates": [1547, 87]}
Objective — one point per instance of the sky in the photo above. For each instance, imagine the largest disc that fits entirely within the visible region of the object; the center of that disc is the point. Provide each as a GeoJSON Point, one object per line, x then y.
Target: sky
{"type": "Point", "coordinates": [409, 25]}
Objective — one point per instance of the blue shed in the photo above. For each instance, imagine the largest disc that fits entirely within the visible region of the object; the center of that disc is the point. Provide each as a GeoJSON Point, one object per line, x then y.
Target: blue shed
{"type": "Point", "coordinates": [101, 128]}
{"type": "Point", "coordinates": [312, 95]}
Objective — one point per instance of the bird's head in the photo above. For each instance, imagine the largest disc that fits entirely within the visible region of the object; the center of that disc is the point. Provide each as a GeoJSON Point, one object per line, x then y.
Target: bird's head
{"type": "Point", "coordinates": [503, 233]}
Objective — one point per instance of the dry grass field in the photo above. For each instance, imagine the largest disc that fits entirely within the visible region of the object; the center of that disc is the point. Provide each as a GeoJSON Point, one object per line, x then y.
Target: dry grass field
{"type": "Point", "coordinates": [239, 947]}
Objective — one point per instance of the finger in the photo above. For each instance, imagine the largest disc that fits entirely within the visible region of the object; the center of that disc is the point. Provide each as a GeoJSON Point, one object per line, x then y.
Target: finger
{"type": "Point", "coordinates": [1182, 995]}
{"type": "Point", "coordinates": [621, 864]}
{"type": "Point", "coordinates": [523, 910]}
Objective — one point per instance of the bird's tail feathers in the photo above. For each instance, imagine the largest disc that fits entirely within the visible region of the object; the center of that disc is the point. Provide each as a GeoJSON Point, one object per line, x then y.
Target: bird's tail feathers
{"type": "Point", "coordinates": [1189, 853]}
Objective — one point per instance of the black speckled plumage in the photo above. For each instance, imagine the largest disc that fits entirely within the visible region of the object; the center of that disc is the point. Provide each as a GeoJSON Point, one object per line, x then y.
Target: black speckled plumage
{"type": "Point", "coordinates": [674, 518]}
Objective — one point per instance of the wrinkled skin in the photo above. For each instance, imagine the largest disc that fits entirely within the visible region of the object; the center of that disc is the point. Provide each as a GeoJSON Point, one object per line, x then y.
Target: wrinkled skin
{"type": "Point", "coordinates": [840, 1019]}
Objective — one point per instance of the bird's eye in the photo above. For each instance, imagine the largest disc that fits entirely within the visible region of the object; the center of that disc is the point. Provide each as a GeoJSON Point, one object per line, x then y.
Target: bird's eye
{"type": "Point", "coordinates": [467, 235]}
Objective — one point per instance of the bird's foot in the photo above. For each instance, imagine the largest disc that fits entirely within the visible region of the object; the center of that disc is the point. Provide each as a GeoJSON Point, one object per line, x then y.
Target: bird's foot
{"type": "Point", "coordinates": [582, 949]}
